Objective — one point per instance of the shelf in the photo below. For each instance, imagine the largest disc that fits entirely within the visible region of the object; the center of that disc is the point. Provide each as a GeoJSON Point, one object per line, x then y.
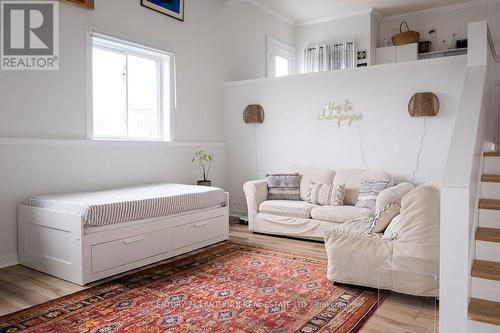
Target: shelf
{"type": "Point", "coordinates": [443, 53]}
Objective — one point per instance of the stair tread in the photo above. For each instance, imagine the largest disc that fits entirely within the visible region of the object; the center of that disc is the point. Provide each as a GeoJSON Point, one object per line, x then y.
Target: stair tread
{"type": "Point", "coordinates": [488, 270]}
{"type": "Point", "coordinates": [484, 311]}
{"type": "Point", "coordinates": [489, 204]}
{"type": "Point", "coordinates": [488, 235]}
{"type": "Point", "coordinates": [490, 178]}
{"type": "Point", "coordinates": [492, 153]}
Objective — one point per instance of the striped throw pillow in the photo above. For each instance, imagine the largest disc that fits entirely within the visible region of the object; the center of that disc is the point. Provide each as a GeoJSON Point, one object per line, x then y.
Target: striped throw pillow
{"type": "Point", "coordinates": [368, 193]}
{"type": "Point", "coordinates": [326, 194]}
{"type": "Point", "coordinates": [283, 186]}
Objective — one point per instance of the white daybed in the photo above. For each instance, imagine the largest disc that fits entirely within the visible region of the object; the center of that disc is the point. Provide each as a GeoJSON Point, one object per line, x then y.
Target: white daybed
{"type": "Point", "coordinates": [84, 237]}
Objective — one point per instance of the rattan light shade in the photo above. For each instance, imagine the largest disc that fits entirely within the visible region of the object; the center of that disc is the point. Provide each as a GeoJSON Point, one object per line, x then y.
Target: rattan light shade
{"type": "Point", "coordinates": [425, 104]}
{"type": "Point", "coordinates": [253, 114]}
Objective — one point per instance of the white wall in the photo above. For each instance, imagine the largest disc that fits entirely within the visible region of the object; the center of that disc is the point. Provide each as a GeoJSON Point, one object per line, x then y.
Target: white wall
{"type": "Point", "coordinates": [446, 22]}
{"type": "Point", "coordinates": [292, 134]}
{"type": "Point", "coordinates": [210, 48]}
{"type": "Point", "coordinates": [247, 29]}
{"type": "Point", "coordinates": [355, 28]}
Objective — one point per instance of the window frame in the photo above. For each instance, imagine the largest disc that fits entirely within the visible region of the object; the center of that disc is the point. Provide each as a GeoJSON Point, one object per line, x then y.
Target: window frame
{"type": "Point", "coordinates": [280, 49]}
{"type": "Point", "coordinates": [167, 99]}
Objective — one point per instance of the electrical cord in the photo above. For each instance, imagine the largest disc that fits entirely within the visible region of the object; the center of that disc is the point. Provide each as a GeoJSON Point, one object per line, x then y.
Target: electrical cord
{"type": "Point", "coordinates": [361, 148]}
{"type": "Point", "coordinates": [419, 154]}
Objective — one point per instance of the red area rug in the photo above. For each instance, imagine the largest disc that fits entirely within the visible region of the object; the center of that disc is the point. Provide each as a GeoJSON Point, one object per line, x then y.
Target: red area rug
{"type": "Point", "coordinates": [228, 288]}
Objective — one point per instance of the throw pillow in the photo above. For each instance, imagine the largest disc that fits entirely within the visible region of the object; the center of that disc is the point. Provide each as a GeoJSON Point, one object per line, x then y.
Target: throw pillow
{"type": "Point", "coordinates": [283, 186]}
{"type": "Point", "coordinates": [368, 193]}
{"type": "Point", "coordinates": [392, 230]}
{"type": "Point", "coordinates": [384, 218]}
{"type": "Point", "coordinates": [325, 194]}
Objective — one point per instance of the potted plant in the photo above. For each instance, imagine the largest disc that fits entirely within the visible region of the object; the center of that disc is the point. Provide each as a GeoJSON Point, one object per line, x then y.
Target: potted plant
{"type": "Point", "coordinates": [204, 160]}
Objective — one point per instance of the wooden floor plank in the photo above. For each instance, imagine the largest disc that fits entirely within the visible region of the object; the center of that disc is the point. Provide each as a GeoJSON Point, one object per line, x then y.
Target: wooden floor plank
{"type": "Point", "coordinates": [488, 235]}
{"type": "Point", "coordinates": [486, 270]}
{"type": "Point", "coordinates": [484, 311]}
{"type": "Point", "coordinates": [21, 287]}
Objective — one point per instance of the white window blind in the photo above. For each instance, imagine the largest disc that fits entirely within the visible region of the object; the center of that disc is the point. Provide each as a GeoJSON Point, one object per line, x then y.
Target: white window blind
{"type": "Point", "coordinates": [329, 57]}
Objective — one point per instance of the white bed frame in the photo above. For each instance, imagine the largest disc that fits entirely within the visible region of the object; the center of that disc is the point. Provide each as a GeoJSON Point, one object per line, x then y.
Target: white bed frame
{"type": "Point", "coordinates": [58, 244]}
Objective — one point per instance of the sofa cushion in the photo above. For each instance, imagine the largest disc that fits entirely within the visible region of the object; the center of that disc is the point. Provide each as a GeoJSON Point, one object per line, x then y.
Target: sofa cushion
{"type": "Point", "coordinates": [353, 178]}
{"type": "Point", "coordinates": [283, 186]}
{"type": "Point", "coordinates": [339, 214]}
{"type": "Point", "coordinates": [287, 208]}
{"type": "Point", "coordinates": [392, 194]}
{"type": "Point", "coordinates": [384, 217]}
{"type": "Point", "coordinates": [326, 194]}
{"type": "Point", "coordinates": [312, 174]}
{"type": "Point", "coordinates": [369, 191]}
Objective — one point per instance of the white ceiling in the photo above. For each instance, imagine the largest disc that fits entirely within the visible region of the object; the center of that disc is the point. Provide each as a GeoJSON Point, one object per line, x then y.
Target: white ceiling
{"type": "Point", "coordinates": [310, 11]}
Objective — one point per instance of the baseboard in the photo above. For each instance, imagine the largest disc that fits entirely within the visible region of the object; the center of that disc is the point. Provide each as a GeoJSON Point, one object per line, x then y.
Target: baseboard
{"type": "Point", "coordinates": [9, 260]}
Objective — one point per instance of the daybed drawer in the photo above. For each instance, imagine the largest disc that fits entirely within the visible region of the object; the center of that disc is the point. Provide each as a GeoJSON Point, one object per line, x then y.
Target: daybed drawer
{"type": "Point", "coordinates": [192, 233]}
{"type": "Point", "coordinates": [123, 251]}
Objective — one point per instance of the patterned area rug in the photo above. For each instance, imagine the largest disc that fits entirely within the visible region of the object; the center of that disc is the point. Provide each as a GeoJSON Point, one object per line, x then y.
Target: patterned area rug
{"type": "Point", "coordinates": [228, 288]}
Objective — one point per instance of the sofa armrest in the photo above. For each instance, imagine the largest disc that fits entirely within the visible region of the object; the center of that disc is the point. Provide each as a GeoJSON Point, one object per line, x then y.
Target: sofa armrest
{"type": "Point", "coordinates": [255, 193]}
{"type": "Point", "coordinates": [392, 194]}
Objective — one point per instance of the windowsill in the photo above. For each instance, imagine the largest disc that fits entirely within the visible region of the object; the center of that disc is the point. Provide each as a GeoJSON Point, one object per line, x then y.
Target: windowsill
{"type": "Point", "coordinates": [105, 142]}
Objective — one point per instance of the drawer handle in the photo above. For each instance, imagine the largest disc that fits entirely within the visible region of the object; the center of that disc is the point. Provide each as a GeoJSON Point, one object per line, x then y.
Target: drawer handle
{"type": "Point", "coordinates": [133, 240]}
{"type": "Point", "coordinates": [200, 224]}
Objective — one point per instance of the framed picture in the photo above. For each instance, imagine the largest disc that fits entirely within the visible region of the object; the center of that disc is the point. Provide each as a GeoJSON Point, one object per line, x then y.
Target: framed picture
{"type": "Point", "coordinates": [172, 8]}
{"type": "Point", "coordinates": [362, 59]}
{"type": "Point", "coordinates": [89, 4]}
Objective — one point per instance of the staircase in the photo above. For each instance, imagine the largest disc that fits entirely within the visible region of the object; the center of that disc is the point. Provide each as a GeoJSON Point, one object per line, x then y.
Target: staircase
{"type": "Point", "coordinates": [484, 306]}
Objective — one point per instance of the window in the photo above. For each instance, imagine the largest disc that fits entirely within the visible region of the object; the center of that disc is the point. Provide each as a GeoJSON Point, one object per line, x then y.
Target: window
{"type": "Point", "coordinates": [280, 58]}
{"type": "Point", "coordinates": [131, 91]}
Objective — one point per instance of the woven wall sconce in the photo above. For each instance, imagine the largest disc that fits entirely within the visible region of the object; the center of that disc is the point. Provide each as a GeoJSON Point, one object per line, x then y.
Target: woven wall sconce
{"type": "Point", "coordinates": [425, 104]}
{"type": "Point", "coordinates": [253, 114]}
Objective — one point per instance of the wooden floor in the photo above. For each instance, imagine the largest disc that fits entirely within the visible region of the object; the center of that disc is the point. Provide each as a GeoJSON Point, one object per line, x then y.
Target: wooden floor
{"type": "Point", "coordinates": [22, 287]}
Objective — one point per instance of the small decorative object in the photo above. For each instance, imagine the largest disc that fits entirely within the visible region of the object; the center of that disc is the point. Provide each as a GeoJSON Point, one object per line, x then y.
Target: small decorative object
{"type": "Point", "coordinates": [405, 37]}
{"type": "Point", "coordinates": [172, 8]}
{"type": "Point", "coordinates": [253, 114]}
{"type": "Point", "coordinates": [362, 55]}
{"type": "Point", "coordinates": [362, 58]}
{"type": "Point", "coordinates": [204, 160]}
{"type": "Point", "coordinates": [424, 47]}
{"type": "Point", "coordinates": [433, 35]}
{"type": "Point", "coordinates": [425, 104]}
{"type": "Point", "coordinates": [461, 44]}
{"type": "Point", "coordinates": [89, 4]}
{"type": "Point", "coordinates": [340, 113]}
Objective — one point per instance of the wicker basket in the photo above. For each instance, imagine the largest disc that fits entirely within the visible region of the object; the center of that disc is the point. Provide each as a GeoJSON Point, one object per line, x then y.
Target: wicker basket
{"type": "Point", "coordinates": [407, 37]}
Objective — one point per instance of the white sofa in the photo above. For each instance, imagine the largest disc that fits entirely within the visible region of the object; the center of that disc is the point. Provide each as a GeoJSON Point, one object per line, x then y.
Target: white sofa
{"type": "Point", "coordinates": [302, 219]}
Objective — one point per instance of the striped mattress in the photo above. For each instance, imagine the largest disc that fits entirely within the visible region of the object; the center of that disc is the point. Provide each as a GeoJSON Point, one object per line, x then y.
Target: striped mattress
{"type": "Point", "coordinates": [132, 203]}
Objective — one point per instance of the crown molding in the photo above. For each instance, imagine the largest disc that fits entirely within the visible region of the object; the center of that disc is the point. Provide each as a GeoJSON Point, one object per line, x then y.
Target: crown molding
{"type": "Point", "coordinates": [334, 17]}
{"type": "Point", "coordinates": [267, 9]}
{"type": "Point", "coordinates": [445, 9]}
{"type": "Point", "coordinates": [372, 11]}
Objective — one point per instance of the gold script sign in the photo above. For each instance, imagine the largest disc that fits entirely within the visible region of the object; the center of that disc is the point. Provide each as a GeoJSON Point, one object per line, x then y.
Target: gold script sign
{"type": "Point", "coordinates": [340, 113]}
